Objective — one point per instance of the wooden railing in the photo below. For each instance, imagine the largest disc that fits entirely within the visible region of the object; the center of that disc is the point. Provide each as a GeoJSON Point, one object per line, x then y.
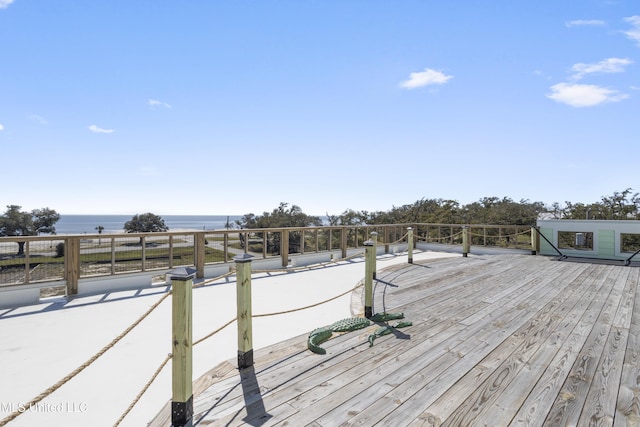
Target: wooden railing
{"type": "Point", "coordinates": [68, 258]}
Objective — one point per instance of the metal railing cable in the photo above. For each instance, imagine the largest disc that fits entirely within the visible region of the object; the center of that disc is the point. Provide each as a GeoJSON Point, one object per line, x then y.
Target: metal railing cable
{"type": "Point", "coordinates": [628, 260]}
{"type": "Point", "coordinates": [562, 256]}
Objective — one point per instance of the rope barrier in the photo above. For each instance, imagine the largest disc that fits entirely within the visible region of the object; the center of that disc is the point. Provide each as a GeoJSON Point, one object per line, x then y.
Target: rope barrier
{"type": "Point", "coordinates": [501, 235]}
{"type": "Point", "coordinates": [308, 306]}
{"type": "Point", "coordinates": [86, 364]}
{"type": "Point", "coordinates": [95, 357]}
{"type": "Point", "coordinates": [400, 240]}
{"type": "Point", "coordinates": [90, 361]}
{"type": "Point", "coordinates": [144, 389]}
{"type": "Point", "coordinates": [427, 238]}
{"type": "Point", "coordinates": [206, 337]}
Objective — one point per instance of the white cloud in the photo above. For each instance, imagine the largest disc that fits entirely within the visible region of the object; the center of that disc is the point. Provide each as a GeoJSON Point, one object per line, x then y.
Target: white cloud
{"type": "Point", "coordinates": [155, 103]}
{"type": "Point", "coordinates": [38, 119]}
{"type": "Point", "coordinates": [96, 129]}
{"type": "Point", "coordinates": [425, 78]}
{"type": "Point", "coordinates": [580, 95]}
{"type": "Point", "coordinates": [609, 65]}
{"type": "Point", "coordinates": [584, 22]}
{"type": "Point", "coordinates": [5, 3]}
{"type": "Point", "coordinates": [634, 33]}
{"type": "Point", "coordinates": [1, 127]}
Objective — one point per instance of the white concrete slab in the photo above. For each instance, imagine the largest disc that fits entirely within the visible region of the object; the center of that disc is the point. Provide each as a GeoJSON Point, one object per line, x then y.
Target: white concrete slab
{"type": "Point", "coordinates": [41, 344]}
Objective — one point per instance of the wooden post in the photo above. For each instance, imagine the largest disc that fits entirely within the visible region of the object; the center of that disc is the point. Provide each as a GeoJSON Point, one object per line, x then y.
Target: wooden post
{"type": "Point", "coordinates": [182, 346]}
{"type": "Point", "coordinates": [465, 241]}
{"type": "Point", "coordinates": [200, 251]}
{"type": "Point", "coordinates": [27, 262]}
{"type": "Point", "coordinates": [72, 261]}
{"type": "Point", "coordinates": [113, 255]}
{"type": "Point", "coordinates": [369, 271]}
{"type": "Point", "coordinates": [243, 300]}
{"type": "Point", "coordinates": [535, 241]}
{"type": "Point", "coordinates": [143, 244]}
{"type": "Point", "coordinates": [386, 240]}
{"type": "Point", "coordinates": [343, 241]}
{"type": "Point", "coordinates": [284, 247]}
{"type": "Point", "coordinates": [316, 236]}
{"type": "Point", "coordinates": [374, 237]}
{"type": "Point", "coordinates": [225, 244]}
{"type": "Point", "coordinates": [410, 244]}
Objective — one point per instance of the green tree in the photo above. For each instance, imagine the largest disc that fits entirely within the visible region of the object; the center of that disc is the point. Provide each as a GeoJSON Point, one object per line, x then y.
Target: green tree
{"type": "Point", "coordinates": [100, 230]}
{"type": "Point", "coordinates": [281, 217]}
{"type": "Point", "coordinates": [618, 206]}
{"type": "Point", "coordinates": [424, 210]}
{"type": "Point", "coordinates": [349, 217]}
{"type": "Point", "coordinates": [493, 210]}
{"type": "Point", "coordinates": [145, 223]}
{"type": "Point", "coordinates": [15, 222]}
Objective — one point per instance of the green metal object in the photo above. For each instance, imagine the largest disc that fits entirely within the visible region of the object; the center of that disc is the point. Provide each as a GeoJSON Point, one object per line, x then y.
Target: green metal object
{"type": "Point", "coordinates": [384, 330]}
{"type": "Point", "coordinates": [383, 317]}
{"type": "Point", "coordinates": [320, 335]}
{"type": "Point", "coordinates": [317, 337]}
{"type": "Point", "coordinates": [350, 324]}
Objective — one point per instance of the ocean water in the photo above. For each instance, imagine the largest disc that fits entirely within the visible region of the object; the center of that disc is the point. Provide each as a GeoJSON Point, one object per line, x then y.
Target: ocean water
{"type": "Point", "coordinates": [86, 224]}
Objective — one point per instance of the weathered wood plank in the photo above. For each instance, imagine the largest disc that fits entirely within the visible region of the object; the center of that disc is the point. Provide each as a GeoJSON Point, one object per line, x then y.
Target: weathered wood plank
{"type": "Point", "coordinates": [542, 396]}
{"type": "Point", "coordinates": [514, 395]}
{"type": "Point", "coordinates": [530, 338]}
{"type": "Point", "coordinates": [460, 384]}
{"type": "Point", "coordinates": [496, 340]}
{"type": "Point", "coordinates": [628, 404]}
{"type": "Point", "coordinates": [600, 404]}
{"type": "Point", "coordinates": [479, 339]}
{"type": "Point", "coordinates": [571, 400]}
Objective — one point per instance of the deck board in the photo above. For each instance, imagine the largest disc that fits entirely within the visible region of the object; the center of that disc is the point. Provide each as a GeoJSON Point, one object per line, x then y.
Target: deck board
{"type": "Point", "coordinates": [497, 340]}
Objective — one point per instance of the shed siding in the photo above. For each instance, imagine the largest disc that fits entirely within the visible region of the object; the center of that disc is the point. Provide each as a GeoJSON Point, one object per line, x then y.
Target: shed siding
{"type": "Point", "coordinates": [545, 248]}
{"type": "Point", "coordinates": [606, 244]}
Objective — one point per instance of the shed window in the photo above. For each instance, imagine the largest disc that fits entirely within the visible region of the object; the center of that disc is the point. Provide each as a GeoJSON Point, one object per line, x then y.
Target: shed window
{"type": "Point", "coordinates": [629, 242]}
{"type": "Point", "coordinates": [582, 241]}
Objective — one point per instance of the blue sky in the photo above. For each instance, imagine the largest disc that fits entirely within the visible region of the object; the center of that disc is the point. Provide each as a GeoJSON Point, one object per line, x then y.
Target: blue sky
{"type": "Point", "coordinates": [231, 107]}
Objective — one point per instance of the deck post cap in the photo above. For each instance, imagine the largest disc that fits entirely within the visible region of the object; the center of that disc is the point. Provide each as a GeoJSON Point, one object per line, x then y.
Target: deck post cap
{"type": "Point", "coordinates": [243, 258]}
{"type": "Point", "coordinates": [183, 273]}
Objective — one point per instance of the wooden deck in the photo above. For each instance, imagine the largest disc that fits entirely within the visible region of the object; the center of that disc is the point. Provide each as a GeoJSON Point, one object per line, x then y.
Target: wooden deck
{"type": "Point", "coordinates": [511, 340]}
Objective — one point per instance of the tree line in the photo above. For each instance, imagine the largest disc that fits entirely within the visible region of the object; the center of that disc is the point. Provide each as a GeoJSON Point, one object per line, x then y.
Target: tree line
{"type": "Point", "coordinates": [622, 205]}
